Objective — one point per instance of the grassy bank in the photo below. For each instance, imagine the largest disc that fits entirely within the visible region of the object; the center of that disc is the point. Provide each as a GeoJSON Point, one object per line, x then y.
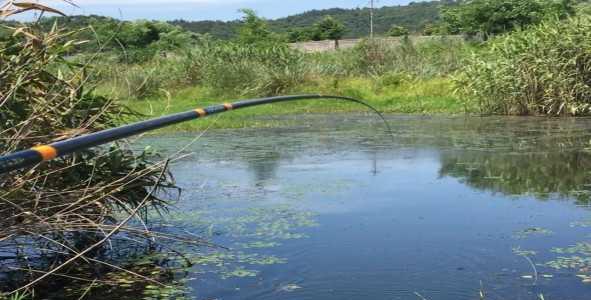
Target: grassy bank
{"type": "Point", "coordinates": [403, 77]}
{"type": "Point", "coordinates": [430, 96]}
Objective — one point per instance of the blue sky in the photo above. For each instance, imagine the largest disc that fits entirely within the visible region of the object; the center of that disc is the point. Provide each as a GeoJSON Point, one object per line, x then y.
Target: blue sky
{"type": "Point", "coordinates": [204, 9]}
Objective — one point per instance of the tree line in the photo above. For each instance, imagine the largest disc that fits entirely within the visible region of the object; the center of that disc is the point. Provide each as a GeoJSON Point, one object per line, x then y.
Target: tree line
{"type": "Point", "coordinates": [482, 18]}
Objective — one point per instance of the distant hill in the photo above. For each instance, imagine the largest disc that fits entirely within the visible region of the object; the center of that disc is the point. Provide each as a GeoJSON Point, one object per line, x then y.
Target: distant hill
{"type": "Point", "coordinates": [219, 29]}
{"type": "Point", "coordinates": [413, 16]}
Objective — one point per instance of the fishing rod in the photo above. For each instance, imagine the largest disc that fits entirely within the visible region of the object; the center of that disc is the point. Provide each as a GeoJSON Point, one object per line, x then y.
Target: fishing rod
{"type": "Point", "coordinates": [31, 157]}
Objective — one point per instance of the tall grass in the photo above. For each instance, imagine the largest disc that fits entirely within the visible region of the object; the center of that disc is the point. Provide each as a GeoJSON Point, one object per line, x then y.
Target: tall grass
{"type": "Point", "coordinates": [438, 56]}
{"type": "Point", "coordinates": [66, 217]}
{"type": "Point", "coordinates": [227, 68]}
{"type": "Point", "coordinates": [542, 70]}
{"type": "Point", "coordinates": [139, 81]}
{"type": "Point", "coordinates": [248, 69]}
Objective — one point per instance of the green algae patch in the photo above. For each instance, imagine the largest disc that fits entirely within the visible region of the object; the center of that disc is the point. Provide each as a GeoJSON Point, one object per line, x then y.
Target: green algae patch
{"type": "Point", "coordinates": [247, 230]}
{"type": "Point", "coordinates": [532, 231]}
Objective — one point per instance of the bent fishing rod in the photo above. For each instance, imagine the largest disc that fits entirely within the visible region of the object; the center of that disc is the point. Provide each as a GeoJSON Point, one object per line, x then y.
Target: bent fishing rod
{"type": "Point", "coordinates": [38, 154]}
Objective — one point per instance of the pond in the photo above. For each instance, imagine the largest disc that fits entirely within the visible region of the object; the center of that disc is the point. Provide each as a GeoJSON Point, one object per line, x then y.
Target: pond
{"type": "Point", "coordinates": [330, 207]}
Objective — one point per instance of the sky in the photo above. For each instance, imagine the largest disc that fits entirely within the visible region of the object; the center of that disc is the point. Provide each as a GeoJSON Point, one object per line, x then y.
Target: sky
{"type": "Point", "coordinates": [204, 9]}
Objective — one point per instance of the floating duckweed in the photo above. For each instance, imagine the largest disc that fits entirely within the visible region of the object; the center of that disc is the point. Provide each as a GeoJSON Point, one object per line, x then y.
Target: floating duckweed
{"type": "Point", "coordinates": [258, 245]}
{"type": "Point", "coordinates": [328, 189]}
{"type": "Point", "coordinates": [262, 227]}
{"type": "Point", "coordinates": [289, 287]}
{"type": "Point", "coordinates": [213, 259]}
{"type": "Point", "coordinates": [572, 262]}
{"type": "Point", "coordinates": [581, 262]}
{"type": "Point", "coordinates": [240, 273]}
{"type": "Point", "coordinates": [164, 292]}
{"type": "Point", "coordinates": [255, 259]}
{"type": "Point", "coordinates": [583, 248]}
{"type": "Point", "coordinates": [520, 252]}
{"type": "Point", "coordinates": [244, 226]}
{"type": "Point", "coordinates": [585, 278]}
{"type": "Point", "coordinates": [528, 232]}
{"type": "Point", "coordinates": [584, 224]}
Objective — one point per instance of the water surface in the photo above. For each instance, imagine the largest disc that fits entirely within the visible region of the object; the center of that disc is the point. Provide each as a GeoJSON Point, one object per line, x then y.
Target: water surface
{"type": "Point", "coordinates": [331, 208]}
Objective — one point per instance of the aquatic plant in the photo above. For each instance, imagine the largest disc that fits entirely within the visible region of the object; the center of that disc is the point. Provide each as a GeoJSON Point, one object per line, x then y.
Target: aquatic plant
{"type": "Point", "coordinates": [532, 231]}
{"type": "Point", "coordinates": [577, 257]}
{"type": "Point", "coordinates": [246, 230]}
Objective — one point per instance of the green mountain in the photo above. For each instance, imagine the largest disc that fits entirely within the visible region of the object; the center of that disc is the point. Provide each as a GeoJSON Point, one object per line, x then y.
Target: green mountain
{"type": "Point", "coordinates": [218, 29]}
{"type": "Point", "coordinates": [413, 16]}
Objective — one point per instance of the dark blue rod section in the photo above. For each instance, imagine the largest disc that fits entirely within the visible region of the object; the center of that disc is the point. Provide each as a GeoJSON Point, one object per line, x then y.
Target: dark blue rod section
{"type": "Point", "coordinates": [31, 157]}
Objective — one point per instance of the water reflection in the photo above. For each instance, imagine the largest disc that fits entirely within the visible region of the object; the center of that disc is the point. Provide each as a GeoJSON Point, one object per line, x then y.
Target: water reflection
{"type": "Point", "coordinates": [544, 175]}
{"type": "Point", "coordinates": [262, 163]}
{"type": "Point", "coordinates": [352, 216]}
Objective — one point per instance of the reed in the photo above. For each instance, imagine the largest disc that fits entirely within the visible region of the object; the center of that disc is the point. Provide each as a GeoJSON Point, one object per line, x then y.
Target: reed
{"type": "Point", "coordinates": [64, 219]}
{"type": "Point", "coordinates": [233, 69]}
{"type": "Point", "coordinates": [544, 70]}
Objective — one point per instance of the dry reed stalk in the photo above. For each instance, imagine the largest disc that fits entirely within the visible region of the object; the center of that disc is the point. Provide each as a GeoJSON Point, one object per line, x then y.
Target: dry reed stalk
{"type": "Point", "coordinates": [60, 216]}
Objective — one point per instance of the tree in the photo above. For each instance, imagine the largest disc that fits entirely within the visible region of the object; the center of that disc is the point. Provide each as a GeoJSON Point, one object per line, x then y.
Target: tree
{"type": "Point", "coordinates": [330, 29]}
{"type": "Point", "coordinates": [451, 21]}
{"type": "Point", "coordinates": [397, 31]}
{"type": "Point", "coordinates": [253, 29]}
{"type": "Point", "coordinates": [171, 37]}
{"type": "Point", "coordinates": [493, 17]}
{"type": "Point", "coordinates": [431, 29]}
{"type": "Point", "coordinates": [300, 35]}
{"type": "Point", "coordinates": [138, 34]}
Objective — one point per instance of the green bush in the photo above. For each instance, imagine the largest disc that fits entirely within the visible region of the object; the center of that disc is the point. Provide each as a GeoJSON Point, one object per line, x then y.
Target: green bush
{"type": "Point", "coordinates": [492, 17]}
{"type": "Point", "coordinates": [396, 30]}
{"type": "Point", "coordinates": [543, 70]}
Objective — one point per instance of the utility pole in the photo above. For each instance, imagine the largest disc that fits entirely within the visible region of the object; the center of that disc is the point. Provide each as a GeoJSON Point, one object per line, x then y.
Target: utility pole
{"type": "Point", "coordinates": [371, 8]}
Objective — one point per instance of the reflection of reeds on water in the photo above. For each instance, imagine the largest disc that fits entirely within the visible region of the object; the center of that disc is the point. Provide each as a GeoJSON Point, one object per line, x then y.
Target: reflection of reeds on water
{"type": "Point", "coordinates": [543, 175]}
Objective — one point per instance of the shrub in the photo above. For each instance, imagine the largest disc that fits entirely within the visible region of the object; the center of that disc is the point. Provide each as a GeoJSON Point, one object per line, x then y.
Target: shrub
{"type": "Point", "coordinates": [60, 208]}
{"type": "Point", "coordinates": [543, 70]}
{"type": "Point", "coordinates": [396, 31]}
